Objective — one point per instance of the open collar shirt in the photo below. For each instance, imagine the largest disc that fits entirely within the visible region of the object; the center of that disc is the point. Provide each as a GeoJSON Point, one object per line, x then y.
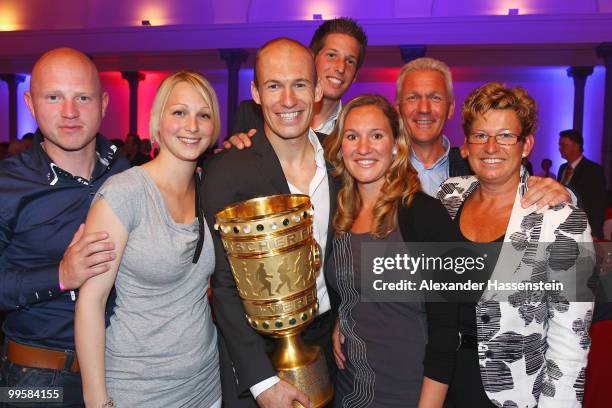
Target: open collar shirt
{"type": "Point", "coordinates": [432, 177]}
{"type": "Point", "coordinates": [41, 207]}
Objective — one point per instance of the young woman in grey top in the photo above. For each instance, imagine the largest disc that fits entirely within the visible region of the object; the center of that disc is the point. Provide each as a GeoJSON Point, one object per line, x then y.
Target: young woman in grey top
{"type": "Point", "coordinates": [160, 349]}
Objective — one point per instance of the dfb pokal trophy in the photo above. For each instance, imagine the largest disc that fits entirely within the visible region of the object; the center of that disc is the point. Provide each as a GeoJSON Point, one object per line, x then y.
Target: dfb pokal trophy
{"type": "Point", "coordinates": [275, 260]}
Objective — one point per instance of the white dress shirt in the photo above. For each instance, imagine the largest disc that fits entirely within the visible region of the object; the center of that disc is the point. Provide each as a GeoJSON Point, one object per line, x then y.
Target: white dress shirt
{"type": "Point", "coordinates": [328, 126]}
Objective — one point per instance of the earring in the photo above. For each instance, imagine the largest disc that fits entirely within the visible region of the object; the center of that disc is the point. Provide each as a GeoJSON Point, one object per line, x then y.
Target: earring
{"type": "Point", "coordinates": [394, 151]}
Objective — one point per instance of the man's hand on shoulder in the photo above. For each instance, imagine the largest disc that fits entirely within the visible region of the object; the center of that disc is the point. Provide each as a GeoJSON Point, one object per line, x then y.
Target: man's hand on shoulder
{"type": "Point", "coordinates": [281, 395]}
{"type": "Point", "coordinates": [87, 255]}
{"type": "Point", "coordinates": [240, 140]}
{"type": "Point", "coordinates": [544, 191]}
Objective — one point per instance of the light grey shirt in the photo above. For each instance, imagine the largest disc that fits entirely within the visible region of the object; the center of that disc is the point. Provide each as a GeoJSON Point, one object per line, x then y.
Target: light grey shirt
{"type": "Point", "coordinates": [161, 345]}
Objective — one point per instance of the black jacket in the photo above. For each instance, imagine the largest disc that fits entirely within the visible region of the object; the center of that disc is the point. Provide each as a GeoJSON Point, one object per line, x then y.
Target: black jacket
{"type": "Point", "coordinates": [457, 165]}
{"type": "Point", "coordinates": [248, 116]}
{"type": "Point", "coordinates": [589, 184]}
{"type": "Point", "coordinates": [232, 176]}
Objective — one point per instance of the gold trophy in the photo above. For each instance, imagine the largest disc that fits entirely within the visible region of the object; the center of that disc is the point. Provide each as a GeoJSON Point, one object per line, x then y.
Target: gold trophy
{"type": "Point", "coordinates": [274, 260]}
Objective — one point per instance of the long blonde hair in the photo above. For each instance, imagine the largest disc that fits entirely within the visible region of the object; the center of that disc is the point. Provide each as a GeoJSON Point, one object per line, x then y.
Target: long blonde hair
{"type": "Point", "coordinates": [401, 179]}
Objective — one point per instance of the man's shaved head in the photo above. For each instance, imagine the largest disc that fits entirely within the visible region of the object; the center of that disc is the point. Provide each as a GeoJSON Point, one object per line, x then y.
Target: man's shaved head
{"type": "Point", "coordinates": [282, 44]}
{"type": "Point", "coordinates": [63, 57]}
{"type": "Point", "coordinates": [67, 100]}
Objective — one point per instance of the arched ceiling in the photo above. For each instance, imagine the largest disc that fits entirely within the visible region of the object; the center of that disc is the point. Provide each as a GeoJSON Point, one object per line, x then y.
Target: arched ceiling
{"type": "Point", "coordinates": [71, 14]}
{"type": "Point", "coordinates": [192, 30]}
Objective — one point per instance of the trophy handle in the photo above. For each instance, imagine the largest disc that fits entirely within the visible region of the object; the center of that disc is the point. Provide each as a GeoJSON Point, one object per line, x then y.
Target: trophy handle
{"type": "Point", "coordinates": [316, 256]}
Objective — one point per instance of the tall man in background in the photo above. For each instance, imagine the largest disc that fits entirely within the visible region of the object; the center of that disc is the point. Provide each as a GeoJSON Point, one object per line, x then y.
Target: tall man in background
{"type": "Point", "coordinates": [339, 47]}
{"type": "Point", "coordinates": [585, 177]}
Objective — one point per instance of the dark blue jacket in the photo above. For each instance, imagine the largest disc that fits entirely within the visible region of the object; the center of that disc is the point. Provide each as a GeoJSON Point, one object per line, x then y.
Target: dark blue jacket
{"type": "Point", "coordinates": [41, 207]}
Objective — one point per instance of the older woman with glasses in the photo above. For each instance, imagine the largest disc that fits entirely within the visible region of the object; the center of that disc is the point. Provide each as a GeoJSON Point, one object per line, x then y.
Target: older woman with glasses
{"type": "Point", "coordinates": [530, 348]}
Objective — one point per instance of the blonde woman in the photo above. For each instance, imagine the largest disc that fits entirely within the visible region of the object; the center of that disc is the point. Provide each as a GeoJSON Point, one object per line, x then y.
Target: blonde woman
{"type": "Point", "coordinates": [160, 349]}
{"type": "Point", "coordinates": [382, 348]}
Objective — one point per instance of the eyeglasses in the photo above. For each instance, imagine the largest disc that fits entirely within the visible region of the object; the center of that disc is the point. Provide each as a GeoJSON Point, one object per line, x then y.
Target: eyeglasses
{"type": "Point", "coordinates": [503, 138]}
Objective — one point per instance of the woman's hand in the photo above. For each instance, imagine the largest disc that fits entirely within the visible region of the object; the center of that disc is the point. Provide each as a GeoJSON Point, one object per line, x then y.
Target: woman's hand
{"type": "Point", "coordinates": [337, 342]}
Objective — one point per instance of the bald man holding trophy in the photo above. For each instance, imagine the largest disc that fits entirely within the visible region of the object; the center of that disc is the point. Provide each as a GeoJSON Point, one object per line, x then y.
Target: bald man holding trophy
{"type": "Point", "coordinates": [273, 284]}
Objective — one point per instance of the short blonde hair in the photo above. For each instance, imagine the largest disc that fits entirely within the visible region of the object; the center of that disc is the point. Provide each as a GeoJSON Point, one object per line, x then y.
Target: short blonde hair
{"type": "Point", "coordinates": [425, 64]}
{"type": "Point", "coordinates": [201, 86]}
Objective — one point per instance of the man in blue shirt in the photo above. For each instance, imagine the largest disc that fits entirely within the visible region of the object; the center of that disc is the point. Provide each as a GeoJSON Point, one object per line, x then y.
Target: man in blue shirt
{"type": "Point", "coordinates": [46, 193]}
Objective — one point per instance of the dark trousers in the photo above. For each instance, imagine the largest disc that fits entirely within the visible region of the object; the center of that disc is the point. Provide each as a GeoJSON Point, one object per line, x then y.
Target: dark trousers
{"type": "Point", "coordinates": [13, 375]}
{"type": "Point", "coordinates": [466, 389]}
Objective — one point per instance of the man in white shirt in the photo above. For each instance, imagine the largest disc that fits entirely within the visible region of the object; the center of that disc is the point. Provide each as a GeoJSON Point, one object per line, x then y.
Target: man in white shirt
{"type": "Point", "coordinates": [286, 158]}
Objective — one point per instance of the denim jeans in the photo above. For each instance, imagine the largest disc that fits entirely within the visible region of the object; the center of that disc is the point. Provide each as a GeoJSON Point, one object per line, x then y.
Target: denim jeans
{"type": "Point", "coordinates": [14, 375]}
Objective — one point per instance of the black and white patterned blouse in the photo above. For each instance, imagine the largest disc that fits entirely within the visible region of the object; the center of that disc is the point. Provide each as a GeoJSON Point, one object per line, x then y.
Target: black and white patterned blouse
{"type": "Point", "coordinates": [532, 345]}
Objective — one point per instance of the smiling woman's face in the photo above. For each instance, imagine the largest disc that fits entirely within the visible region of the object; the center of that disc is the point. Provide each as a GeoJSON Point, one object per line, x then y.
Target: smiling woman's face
{"type": "Point", "coordinates": [367, 145]}
{"type": "Point", "coordinates": [493, 162]}
{"type": "Point", "coordinates": [186, 127]}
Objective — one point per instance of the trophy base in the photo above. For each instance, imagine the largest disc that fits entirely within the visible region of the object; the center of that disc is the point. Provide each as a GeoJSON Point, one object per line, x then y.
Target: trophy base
{"type": "Point", "coordinates": [303, 366]}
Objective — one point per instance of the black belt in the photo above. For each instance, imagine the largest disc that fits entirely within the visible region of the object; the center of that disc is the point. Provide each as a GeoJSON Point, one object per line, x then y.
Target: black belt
{"type": "Point", "coordinates": [468, 341]}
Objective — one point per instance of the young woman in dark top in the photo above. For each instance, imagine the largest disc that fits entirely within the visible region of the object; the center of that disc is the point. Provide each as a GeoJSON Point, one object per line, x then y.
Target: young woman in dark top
{"type": "Point", "coordinates": [386, 351]}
